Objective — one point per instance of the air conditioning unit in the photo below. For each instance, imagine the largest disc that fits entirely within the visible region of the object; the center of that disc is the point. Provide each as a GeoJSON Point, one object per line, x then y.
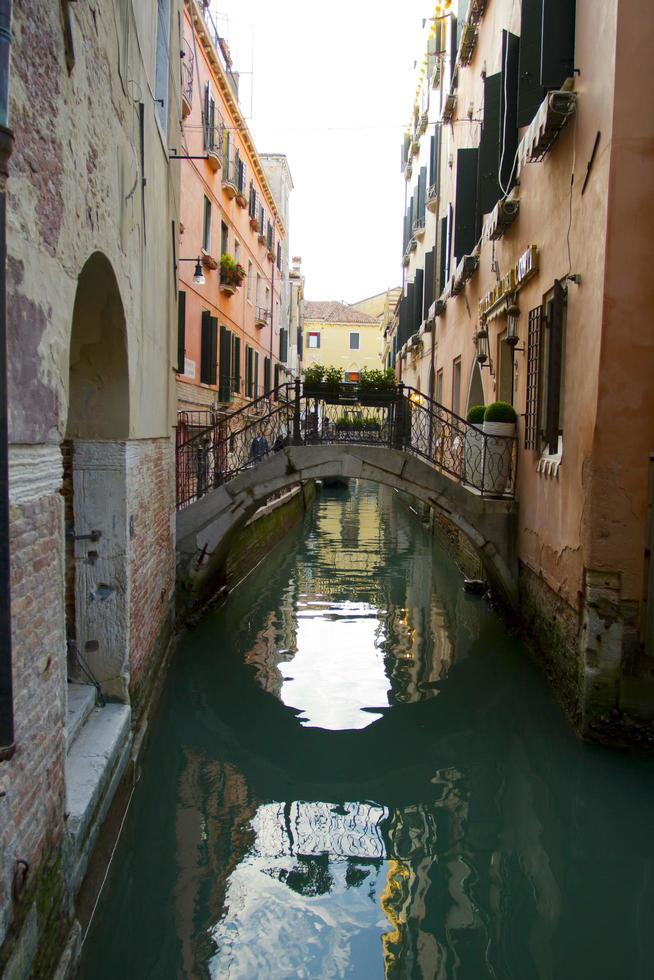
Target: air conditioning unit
{"type": "Point", "coordinates": [554, 112]}
{"type": "Point", "coordinates": [502, 217]}
{"type": "Point", "coordinates": [436, 73]}
{"type": "Point", "coordinates": [449, 107]}
{"type": "Point", "coordinates": [476, 10]}
{"type": "Point", "coordinates": [464, 271]}
{"type": "Point", "coordinates": [467, 45]}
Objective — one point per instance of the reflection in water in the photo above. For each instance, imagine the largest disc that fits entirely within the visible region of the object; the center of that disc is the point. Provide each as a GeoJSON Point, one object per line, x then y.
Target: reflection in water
{"type": "Point", "coordinates": [356, 772]}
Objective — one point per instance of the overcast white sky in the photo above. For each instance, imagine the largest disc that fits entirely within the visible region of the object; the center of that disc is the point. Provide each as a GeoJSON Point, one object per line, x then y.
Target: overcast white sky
{"type": "Point", "coordinates": [333, 87]}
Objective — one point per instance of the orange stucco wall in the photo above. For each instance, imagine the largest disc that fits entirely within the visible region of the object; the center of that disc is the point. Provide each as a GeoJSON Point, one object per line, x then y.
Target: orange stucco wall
{"type": "Point", "coordinates": [237, 312]}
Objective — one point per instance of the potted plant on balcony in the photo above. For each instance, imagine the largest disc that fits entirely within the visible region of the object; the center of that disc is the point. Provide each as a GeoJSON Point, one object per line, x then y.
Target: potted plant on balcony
{"type": "Point", "coordinates": [232, 274]}
{"type": "Point", "coordinates": [474, 445]}
{"type": "Point", "coordinates": [377, 387]}
{"type": "Point", "coordinates": [499, 436]}
{"type": "Point", "coordinates": [322, 382]}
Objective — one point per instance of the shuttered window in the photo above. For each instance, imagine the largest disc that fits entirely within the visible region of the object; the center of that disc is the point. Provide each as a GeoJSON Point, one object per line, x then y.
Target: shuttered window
{"type": "Point", "coordinates": [422, 193]}
{"type": "Point", "coordinates": [553, 346]}
{"type": "Point", "coordinates": [208, 349]}
{"type": "Point", "coordinates": [530, 90]}
{"type": "Point", "coordinates": [418, 283]}
{"type": "Point", "coordinates": [276, 377]}
{"type": "Point", "coordinates": [252, 202]}
{"type": "Point", "coordinates": [266, 375]}
{"type": "Point", "coordinates": [283, 345]}
{"type": "Point", "coordinates": [434, 151]}
{"type": "Point", "coordinates": [442, 266]}
{"type": "Point", "coordinates": [279, 256]}
{"type": "Point", "coordinates": [255, 375]}
{"type": "Point", "coordinates": [508, 108]}
{"type": "Point", "coordinates": [557, 43]}
{"type": "Point", "coordinates": [249, 357]}
{"type": "Point", "coordinates": [236, 365]}
{"type": "Point", "coordinates": [181, 331]}
{"type": "Point", "coordinates": [489, 145]}
{"type": "Point", "coordinates": [533, 377]}
{"type": "Point", "coordinates": [429, 283]}
{"type": "Point", "coordinates": [225, 365]}
{"type": "Point", "coordinates": [465, 212]}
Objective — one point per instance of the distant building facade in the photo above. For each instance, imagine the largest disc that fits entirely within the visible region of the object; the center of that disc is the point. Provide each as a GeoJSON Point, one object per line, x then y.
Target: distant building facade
{"type": "Point", "coordinates": [233, 326]}
{"type": "Point", "coordinates": [296, 319]}
{"type": "Point", "coordinates": [526, 279]}
{"type": "Point", "coordinates": [338, 335]}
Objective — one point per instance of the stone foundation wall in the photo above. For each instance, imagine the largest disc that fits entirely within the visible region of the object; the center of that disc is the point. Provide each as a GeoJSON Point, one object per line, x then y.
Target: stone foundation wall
{"type": "Point", "coordinates": [34, 918]}
{"type": "Point", "coordinates": [151, 490]}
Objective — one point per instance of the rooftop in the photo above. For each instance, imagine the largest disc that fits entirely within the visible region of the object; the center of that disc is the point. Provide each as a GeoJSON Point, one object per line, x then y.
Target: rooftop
{"type": "Point", "coordinates": [331, 311]}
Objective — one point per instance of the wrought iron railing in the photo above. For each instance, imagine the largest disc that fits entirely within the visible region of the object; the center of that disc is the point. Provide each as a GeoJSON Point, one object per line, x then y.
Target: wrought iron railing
{"type": "Point", "coordinates": [187, 63]}
{"type": "Point", "coordinates": [401, 418]}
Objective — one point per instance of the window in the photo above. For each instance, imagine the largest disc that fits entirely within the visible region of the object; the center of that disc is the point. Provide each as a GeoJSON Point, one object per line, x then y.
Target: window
{"type": "Point", "coordinates": [237, 251]}
{"type": "Point", "coordinates": [236, 365]}
{"type": "Point", "coordinates": [258, 293]}
{"type": "Point", "coordinates": [279, 256]}
{"type": "Point", "coordinates": [224, 238]}
{"type": "Point", "coordinates": [545, 360]}
{"type": "Point", "coordinates": [439, 387]}
{"type": "Point", "coordinates": [225, 385]}
{"type": "Point", "coordinates": [266, 375]}
{"type": "Point", "coordinates": [553, 354]}
{"type": "Point", "coordinates": [211, 136]}
{"type": "Point", "coordinates": [456, 385]}
{"type": "Point", "coordinates": [313, 341]}
{"type": "Point", "coordinates": [249, 285]}
{"type": "Point", "coordinates": [161, 66]}
{"type": "Point", "coordinates": [255, 376]}
{"type": "Point", "coordinates": [354, 341]}
{"type": "Point", "coordinates": [181, 331]}
{"type": "Point", "coordinates": [208, 349]}
{"type": "Point", "coordinates": [206, 226]}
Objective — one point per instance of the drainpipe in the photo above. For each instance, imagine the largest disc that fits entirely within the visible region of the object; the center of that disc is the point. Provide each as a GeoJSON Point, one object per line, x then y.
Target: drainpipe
{"type": "Point", "coordinates": [272, 307]}
{"type": "Point", "coordinates": [6, 140]}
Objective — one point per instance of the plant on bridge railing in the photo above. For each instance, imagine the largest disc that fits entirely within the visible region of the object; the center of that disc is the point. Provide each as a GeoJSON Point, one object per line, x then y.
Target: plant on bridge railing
{"type": "Point", "coordinates": [500, 412]}
{"type": "Point", "coordinates": [314, 374]}
{"type": "Point", "coordinates": [349, 423]}
{"type": "Point", "coordinates": [320, 381]}
{"type": "Point", "coordinates": [377, 386]}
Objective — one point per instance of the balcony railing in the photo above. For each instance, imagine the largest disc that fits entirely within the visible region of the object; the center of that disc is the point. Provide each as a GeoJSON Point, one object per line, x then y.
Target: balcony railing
{"type": "Point", "coordinates": [261, 316]}
{"type": "Point", "coordinates": [230, 177]}
{"type": "Point", "coordinates": [186, 66]}
{"type": "Point", "coordinates": [419, 227]}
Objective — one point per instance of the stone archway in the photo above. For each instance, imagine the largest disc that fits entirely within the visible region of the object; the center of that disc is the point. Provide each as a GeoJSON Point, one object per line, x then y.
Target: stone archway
{"type": "Point", "coordinates": [206, 528]}
{"type": "Point", "coordinates": [95, 478]}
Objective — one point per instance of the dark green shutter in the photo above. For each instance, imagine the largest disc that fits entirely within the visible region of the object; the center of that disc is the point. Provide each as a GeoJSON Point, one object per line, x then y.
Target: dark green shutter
{"type": "Point", "coordinates": [454, 42]}
{"type": "Point", "coordinates": [283, 345]}
{"type": "Point", "coordinates": [236, 365]}
{"type": "Point", "coordinates": [489, 145]}
{"type": "Point", "coordinates": [418, 284]}
{"type": "Point", "coordinates": [530, 90]}
{"type": "Point", "coordinates": [181, 331]}
{"type": "Point", "coordinates": [276, 376]}
{"type": "Point", "coordinates": [558, 42]}
{"type": "Point", "coordinates": [266, 375]}
{"type": "Point", "coordinates": [225, 387]}
{"type": "Point", "coordinates": [508, 112]}
{"type": "Point", "coordinates": [434, 150]}
{"type": "Point", "coordinates": [429, 283]}
{"type": "Point", "coordinates": [255, 375]}
{"type": "Point", "coordinates": [208, 348]}
{"type": "Point", "coordinates": [248, 371]}
{"type": "Point", "coordinates": [442, 276]}
{"type": "Point", "coordinates": [465, 215]}
{"type": "Point", "coordinates": [205, 111]}
{"type": "Point", "coordinates": [554, 368]}
{"type": "Point", "coordinates": [422, 192]}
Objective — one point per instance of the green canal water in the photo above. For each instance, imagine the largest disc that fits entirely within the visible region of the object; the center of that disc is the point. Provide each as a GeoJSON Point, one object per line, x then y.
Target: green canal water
{"type": "Point", "coordinates": [356, 771]}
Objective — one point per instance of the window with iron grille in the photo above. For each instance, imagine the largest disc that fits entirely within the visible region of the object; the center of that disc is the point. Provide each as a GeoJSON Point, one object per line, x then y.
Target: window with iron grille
{"type": "Point", "coordinates": [534, 332]}
{"type": "Point", "coordinates": [206, 226]}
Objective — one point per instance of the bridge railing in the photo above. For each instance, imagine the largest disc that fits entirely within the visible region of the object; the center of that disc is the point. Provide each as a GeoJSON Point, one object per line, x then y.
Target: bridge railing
{"type": "Point", "coordinates": [402, 419]}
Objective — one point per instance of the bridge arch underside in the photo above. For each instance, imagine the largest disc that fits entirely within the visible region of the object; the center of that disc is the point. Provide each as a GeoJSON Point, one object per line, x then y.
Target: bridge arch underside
{"type": "Point", "coordinates": [206, 528]}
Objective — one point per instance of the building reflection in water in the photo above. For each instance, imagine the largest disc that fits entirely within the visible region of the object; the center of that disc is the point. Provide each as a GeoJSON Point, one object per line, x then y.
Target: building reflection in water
{"type": "Point", "coordinates": [304, 885]}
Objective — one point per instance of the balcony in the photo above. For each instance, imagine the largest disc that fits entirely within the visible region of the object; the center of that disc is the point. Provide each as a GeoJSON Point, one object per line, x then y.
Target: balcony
{"type": "Point", "coordinates": [261, 316]}
{"type": "Point", "coordinates": [418, 228]}
{"type": "Point", "coordinates": [230, 179]}
{"type": "Point", "coordinates": [432, 197]}
{"type": "Point", "coordinates": [422, 125]}
{"type": "Point", "coordinates": [213, 141]}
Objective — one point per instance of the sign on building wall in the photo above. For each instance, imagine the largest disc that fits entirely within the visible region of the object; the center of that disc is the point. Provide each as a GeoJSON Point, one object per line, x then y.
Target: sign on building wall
{"type": "Point", "coordinates": [523, 270]}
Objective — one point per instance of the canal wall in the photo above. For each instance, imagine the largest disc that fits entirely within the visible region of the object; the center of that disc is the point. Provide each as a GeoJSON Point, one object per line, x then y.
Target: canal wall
{"type": "Point", "coordinates": [242, 551]}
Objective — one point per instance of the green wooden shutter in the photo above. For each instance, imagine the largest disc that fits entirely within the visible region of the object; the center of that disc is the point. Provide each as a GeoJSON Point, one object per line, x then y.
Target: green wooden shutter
{"type": "Point", "coordinates": [509, 111]}
{"type": "Point", "coordinates": [443, 256]}
{"type": "Point", "coordinates": [530, 90]}
{"type": "Point", "coordinates": [266, 375]}
{"type": "Point", "coordinates": [213, 357]}
{"type": "Point", "coordinates": [465, 215]}
{"type": "Point", "coordinates": [417, 300]}
{"type": "Point", "coordinates": [255, 375]}
{"type": "Point", "coordinates": [283, 345]}
{"type": "Point", "coordinates": [248, 371]}
{"type": "Point", "coordinates": [558, 42]}
{"type": "Point", "coordinates": [554, 368]}
{"type": "Point", "coordinates": [205, 349]}
{"type": "Point", "coordinates": [276, 376]}
{"type": "Point", "coordinates": [236, 365]}
{"type": "Point", "coordinates": [225, 366]}
{"type": "Point", "coordinates": [181, 331]}
{"type": "Point", "coordinates": [429, 283]}
{"type": "Point", "coordinates": [489, 145]}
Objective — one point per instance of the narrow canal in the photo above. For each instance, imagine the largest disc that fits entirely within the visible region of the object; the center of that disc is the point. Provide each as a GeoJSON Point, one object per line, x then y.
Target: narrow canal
{"type": "Point", "coordinates": [355, 771]}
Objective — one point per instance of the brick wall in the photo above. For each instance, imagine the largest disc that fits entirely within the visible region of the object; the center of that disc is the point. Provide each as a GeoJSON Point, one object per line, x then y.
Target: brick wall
{"type": "Point", "coordinates": [32, 800]}
{"type": "Point", "coordinates": [151, 501]}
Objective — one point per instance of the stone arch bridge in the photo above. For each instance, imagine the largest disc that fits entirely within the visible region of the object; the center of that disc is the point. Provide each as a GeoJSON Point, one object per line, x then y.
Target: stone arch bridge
{"type": "Point", "coordinates": [227, 470]}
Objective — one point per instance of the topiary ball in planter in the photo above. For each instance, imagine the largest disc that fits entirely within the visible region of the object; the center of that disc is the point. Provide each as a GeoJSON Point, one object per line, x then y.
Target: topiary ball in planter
{"type": "Point", "coordinates": [499, 429]}
{"type": "Point", "coordinates": [474, 446]}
